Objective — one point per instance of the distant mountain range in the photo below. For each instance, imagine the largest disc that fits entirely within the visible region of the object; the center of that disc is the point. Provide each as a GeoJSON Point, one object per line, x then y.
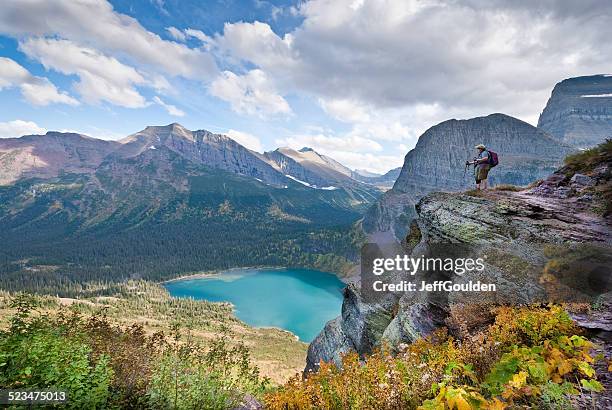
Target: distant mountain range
{"type": "Point", "coordinates": [385, 181]}
{"type": "Point", "coordinates": [168, 200]}
{"type": "Point", "coordinates": [47, 155]}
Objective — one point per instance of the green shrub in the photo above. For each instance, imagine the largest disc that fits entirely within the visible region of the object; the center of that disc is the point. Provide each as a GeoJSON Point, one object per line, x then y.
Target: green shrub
{"type": "Point", "coordinates": [188, 376]}
{"type": "Point", "coordinates": [102, 365]}
{"type": "Point", "coordinates": [584, 161]}
{"type": "Point", "coordinates": [36, 354]}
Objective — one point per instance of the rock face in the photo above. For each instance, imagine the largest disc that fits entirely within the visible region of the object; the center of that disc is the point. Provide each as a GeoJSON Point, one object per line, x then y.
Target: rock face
{"type": "Point", "coordinates": [579, 111]}
{"type": "Point", "coordinates": [45, 156]}
{"type": "Point", "coordinates": [309, 166]}
{"type": "Point", "coordinates": [203, 147]}
{"type": "Point", "coordinates": [513, 227]}
{"type": "Point", "coordinates": [437, 163]}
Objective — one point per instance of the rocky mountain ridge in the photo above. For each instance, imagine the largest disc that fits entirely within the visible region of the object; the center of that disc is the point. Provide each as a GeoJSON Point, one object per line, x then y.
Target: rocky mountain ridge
{"type": "Point", "coordinates": [437, 163]}
{"type": "Point", "coordinates": [311, 167]}
{"type": "Point", "coordinates": [579, 111]}
{"type": "Point", "coordinates": [202, 147]}
{"type": "Point", "coordinates": [49, 155]}
{"type": "Point", "coordinates": [45, 156]}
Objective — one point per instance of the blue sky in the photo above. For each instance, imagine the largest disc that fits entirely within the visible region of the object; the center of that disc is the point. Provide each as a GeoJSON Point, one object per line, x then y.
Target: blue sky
{"type": "Point", "coordinates": [358, 80]}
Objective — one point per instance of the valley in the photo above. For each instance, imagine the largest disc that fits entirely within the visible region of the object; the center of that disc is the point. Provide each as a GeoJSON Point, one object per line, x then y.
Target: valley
{"type": "Point", "coordinates": [191, 240]}
{"type": "Point", "coordinates": [158, 213]}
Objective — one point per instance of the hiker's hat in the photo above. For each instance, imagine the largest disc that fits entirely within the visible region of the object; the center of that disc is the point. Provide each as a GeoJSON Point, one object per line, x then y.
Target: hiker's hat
{"type": "Point", "coordinates": [480, 146]}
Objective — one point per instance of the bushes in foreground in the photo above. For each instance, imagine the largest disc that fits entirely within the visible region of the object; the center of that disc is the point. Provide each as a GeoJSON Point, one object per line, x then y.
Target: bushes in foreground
{"type": "Point", "coordinates": [528, 356]}
{"type": "Point", "coordinates": [103, 365]}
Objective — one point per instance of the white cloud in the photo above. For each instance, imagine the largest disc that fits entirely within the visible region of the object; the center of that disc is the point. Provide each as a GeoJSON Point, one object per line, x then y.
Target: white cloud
{"type": "Point", "coordinates": [36, 90]}
{"type": "Point", "coordinates": [345, 110]}
{"type": "Point", "coordinates": [172, 110]}
{"type": "Point", "coordinates": [503, 57]}
{"type": "Point", "coordinates": [252, 93]}
{"type": "Point", "coordinates": [101, 78]}
{"type": "Point", "coordinates": [176, 34]}
{"type": "Point", "coordinates": [96, 25]}
{"type": "Point", "coordinates": [257, 43]}
{"type": "Point", "coordinates": [12, 73]}
{"type": "Point", "coordinates": [17, 128]}
{"type": "Point", "coordinates": [245, 139]}
{"type": "Point", "coordinates": [200, 35]}
{"type": "Point", "coordinates": [326, 143]}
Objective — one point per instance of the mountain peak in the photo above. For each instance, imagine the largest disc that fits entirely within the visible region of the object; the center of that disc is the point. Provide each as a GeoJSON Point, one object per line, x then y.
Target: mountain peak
{"type": "Point", "coordinates": [170, 127]}
{"type": "Point", "coordinates": [306, 149]}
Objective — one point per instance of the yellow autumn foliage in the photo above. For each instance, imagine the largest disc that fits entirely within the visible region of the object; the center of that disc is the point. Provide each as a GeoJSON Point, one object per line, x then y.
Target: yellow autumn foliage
{"type": "Point", "coordinates": [517, 360]}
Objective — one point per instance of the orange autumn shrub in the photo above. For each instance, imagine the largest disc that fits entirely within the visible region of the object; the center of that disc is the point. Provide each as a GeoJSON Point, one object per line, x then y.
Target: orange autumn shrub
{"type": "Point", "coordinates": [529, 356]}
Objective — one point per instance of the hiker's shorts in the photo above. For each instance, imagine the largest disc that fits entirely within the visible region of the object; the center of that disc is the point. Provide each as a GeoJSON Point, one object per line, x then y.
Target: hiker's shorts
{"type": "Point", "coordinates": [482, 172]}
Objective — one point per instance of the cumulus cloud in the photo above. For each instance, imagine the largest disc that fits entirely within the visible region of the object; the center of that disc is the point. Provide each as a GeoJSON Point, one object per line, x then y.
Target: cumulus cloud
{"type": "Point", "coordinates": [245, 139]}
{"type": "Point", "coordinates": [200, 35]}
{"type": "Point", "coordinates": [331, 143]}
{"type": "Point", "coordinates": [257, 43]}
{"type": "Point", "coordinates": [171, 109]}
{"type": "Point", "coordinates": [36, 90]}
{"type": "Point", "coordinates": [252, 93]}
{"type": "Point", "coordinates": [96, 25]}
{"type": "Point", "coordinates": [101, 78]}
{"type": "Point", "coordinates": [17, 128]}
{"type": "Point", "coordinates": [345, 110]}
{"type": "Point", "coordinates": [470, 57]}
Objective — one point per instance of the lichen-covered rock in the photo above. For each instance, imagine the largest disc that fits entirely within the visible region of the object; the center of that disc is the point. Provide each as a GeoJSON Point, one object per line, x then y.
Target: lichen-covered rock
{"type": "Point", "coordinates": [413, 321]}
{"type": "Point", "coordinates": [582, 180]}
{"type": "Point", "coordinates": [328, 346]}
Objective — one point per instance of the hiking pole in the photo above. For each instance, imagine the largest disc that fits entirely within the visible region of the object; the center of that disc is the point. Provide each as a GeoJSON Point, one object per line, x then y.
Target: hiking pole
{"type": "Point", "coordinates": [467, 165]}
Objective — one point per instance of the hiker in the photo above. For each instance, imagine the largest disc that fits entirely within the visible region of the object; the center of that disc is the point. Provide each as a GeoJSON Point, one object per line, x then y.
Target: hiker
{"type": "Point", "coordinates": [481, 166]}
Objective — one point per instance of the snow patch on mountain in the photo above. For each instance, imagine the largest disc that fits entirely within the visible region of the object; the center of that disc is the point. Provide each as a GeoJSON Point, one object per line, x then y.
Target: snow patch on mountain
{"type": "Point", "coordinates": [326, 188]}
{"type": "Point", "coordinates": [596, 95]}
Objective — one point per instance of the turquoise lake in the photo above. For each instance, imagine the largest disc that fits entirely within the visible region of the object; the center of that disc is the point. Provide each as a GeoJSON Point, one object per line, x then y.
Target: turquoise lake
{"type": "Point", "coordinates": [298, 300]}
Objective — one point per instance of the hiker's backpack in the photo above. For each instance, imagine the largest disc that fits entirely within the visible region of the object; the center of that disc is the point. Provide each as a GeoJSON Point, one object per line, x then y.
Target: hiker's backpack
{"type": "Point", "coordinates": [493, 159]}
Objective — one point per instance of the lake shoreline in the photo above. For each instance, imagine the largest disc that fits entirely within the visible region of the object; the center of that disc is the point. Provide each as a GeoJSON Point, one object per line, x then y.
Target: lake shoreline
{"type": "Point", "coordinates": [209, 274]}
{"type": "Point", "coordinates": [213, 273]}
